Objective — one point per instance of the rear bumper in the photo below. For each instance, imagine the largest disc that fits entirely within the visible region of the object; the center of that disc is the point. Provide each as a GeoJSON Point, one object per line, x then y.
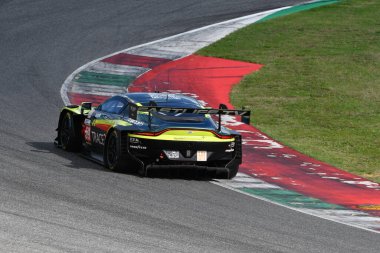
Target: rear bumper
{"type": "Point", "coordinates": [152, 154]}
{"type": "Point", "coordinates": [186, 167]}
{"type": "Point", "coordinates": [196, 170]}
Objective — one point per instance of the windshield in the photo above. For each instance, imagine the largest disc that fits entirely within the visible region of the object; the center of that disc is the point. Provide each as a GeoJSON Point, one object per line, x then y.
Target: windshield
{"type": "Point", "coordinates": [160, 119]}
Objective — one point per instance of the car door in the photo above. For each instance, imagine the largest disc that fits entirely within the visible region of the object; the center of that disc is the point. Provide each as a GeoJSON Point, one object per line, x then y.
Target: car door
{"type": "Point", "coordinates": [103, 118]}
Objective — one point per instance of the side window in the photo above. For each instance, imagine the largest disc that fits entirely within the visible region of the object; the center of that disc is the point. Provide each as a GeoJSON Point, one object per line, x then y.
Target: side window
{"type": "Point", "coordinates": [115, 106]}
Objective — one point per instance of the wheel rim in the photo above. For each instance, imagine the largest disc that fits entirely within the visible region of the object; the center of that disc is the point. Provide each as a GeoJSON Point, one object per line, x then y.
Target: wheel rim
{"type": "Point", "coordinates": [112, 151]}
{"type": "Point", "coordinates": [65, 131]}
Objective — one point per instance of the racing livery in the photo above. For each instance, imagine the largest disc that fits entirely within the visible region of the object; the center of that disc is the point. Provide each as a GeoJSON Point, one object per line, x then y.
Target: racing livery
{"type": "Point", "coordinates": [147, 131]}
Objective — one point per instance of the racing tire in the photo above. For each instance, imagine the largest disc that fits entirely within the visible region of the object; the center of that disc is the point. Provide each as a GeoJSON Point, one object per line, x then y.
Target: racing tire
{"type": "Point", "coordinates": [142, 171]}
{"type": "Point", "coordinates": [232, 171]}
{"type": "Point", "coordinates": [112, 154]}
{"type": "Point", "coordinates": [67, 136]}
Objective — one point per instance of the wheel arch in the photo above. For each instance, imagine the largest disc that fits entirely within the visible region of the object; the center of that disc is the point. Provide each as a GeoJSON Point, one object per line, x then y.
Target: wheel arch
{"type": "Point", "coordinates": [109, 131]}
{"type": "Point", "coordinates": [121, 133]}
{"type": "Point", "coordinates": [77, 120]}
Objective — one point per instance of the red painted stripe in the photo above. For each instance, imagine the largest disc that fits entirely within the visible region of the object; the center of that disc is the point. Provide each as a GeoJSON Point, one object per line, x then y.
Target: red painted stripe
{"type": "Point", "coordinates": [104, 127]}
{"type": "Point", "coordinates": [77, 98]}
{"type": "Point", "coordinates": [212, 80]}
{"type": "Point", "coordinates": [135, 60]}
{"type": "Point", "coordinates": [295, 171]}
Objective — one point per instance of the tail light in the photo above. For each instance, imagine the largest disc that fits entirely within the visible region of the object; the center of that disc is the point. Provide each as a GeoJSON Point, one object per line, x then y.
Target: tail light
{"type": "Point", "coordinates": [151, 133]}
{"type": "Point", "coordinates": [222, 136]}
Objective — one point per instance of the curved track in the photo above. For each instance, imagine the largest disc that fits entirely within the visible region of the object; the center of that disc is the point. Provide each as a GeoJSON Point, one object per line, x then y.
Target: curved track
{"type": "Point", "coordinates": [54, 201]}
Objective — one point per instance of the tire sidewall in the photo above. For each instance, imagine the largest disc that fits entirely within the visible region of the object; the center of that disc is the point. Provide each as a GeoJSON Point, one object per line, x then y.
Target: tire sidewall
{"type": "Point", "coordinates": [116, 166]}
{"type": "Point", "coordinates": [71, 138]}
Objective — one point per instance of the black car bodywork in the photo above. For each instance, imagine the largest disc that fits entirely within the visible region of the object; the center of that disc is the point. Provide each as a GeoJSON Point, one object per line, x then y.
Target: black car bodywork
{"type": "Point", "coordinates": [146, 131]}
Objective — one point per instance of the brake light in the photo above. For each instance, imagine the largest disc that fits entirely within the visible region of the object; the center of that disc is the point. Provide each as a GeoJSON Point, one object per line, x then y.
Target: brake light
{"type": "Point", "coordinates": [151, 133]}
{"type": "Point", "coordinates": [222, 136]}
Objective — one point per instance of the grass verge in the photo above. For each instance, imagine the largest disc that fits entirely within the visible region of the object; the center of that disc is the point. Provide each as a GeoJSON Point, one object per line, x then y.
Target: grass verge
{"type": "Point", "coordinates": [319, 91]}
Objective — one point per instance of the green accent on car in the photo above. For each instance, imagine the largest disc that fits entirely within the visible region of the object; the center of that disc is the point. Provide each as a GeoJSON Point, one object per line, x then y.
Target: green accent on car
{"type": "Point", "coordinates": [291, 198]}
{"type": "Point", "coordinates": [103, 78]}
{"type": "Point", "coordinates": [298, 8]}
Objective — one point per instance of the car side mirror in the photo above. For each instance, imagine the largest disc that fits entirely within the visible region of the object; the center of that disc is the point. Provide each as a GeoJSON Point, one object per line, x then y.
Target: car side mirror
{"type": "Point", "coordinates": [85, 106]}
{"type": "Point", "coordinates": [152, 103]}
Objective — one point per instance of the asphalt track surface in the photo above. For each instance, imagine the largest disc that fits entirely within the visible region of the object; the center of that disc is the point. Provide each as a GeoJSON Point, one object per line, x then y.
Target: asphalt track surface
{"type": "Point", "coordinates": [56, 201]}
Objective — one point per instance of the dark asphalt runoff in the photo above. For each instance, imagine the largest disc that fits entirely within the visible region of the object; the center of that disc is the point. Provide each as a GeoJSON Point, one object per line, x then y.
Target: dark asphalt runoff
{"type": "Point", "coordinates": [55, 201]}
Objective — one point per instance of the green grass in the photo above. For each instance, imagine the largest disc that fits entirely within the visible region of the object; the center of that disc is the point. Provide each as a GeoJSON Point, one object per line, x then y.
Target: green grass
{"type": "Point", "coordinates": [319, 89]}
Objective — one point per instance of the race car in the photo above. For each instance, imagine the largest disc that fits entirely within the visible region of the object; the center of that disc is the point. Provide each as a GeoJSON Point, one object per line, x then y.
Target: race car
{"type": "Point", "coordinates": [147, 131]}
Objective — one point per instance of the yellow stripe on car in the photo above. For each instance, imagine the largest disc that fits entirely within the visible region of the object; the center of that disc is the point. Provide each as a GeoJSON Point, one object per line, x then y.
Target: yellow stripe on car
{"type": "Point", "coordinates": [185, 135]}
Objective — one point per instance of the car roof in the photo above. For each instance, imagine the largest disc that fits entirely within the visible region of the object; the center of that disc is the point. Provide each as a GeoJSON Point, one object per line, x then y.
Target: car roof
{"type": "Point", "coordinates": [162, 99]}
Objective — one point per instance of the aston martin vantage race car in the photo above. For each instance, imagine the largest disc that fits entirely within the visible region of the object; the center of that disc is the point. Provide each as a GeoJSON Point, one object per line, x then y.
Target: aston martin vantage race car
{"type": "Point", "coordinates": [147, 131]}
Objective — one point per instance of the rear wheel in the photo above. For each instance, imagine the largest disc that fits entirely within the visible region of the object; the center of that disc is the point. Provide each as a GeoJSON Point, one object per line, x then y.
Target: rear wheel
{"type": "Point", "coordinates": [112, 156]}
{"type": "Point", "coordinates": [67, 137]}
{"type": "Point", "coordinates": [142, 171]}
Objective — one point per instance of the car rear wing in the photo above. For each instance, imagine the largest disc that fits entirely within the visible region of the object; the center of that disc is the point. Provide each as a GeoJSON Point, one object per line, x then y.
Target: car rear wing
{"type": "Point", "coordinates": [222, 110]}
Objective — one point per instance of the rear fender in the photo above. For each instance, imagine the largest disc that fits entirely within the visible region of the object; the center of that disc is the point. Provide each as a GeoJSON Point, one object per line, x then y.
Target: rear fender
{"type": "Point", "coordinates": [128, 158]}
{"type": "Point", "coordinates": [110, 130]}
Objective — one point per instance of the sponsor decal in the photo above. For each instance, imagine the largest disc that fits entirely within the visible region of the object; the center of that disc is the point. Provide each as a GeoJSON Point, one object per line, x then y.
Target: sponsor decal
{"type": "Point", "coordinates": [98, 138]}
{"type": "Point", "coordinates": [87, 122]}
{"type": "Point", "coordinates": [231, 147]}
{"type": "Point", "coordinates": [135, 122]}
{"type": "Point", "coordinates": [164, 96]}
{"type": "Point", "coordinates": [134, 140]}
{"type": "Point", "coordinates": [138, 147]}
{"type": "Point", "coordinates": [87, 133]}
{"type": "Point", "coordinates": [193, 111]}
{"type": "Point", "coordinates": [172, 154]}
{"type": "Point", "coordinates": [179, 138]}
